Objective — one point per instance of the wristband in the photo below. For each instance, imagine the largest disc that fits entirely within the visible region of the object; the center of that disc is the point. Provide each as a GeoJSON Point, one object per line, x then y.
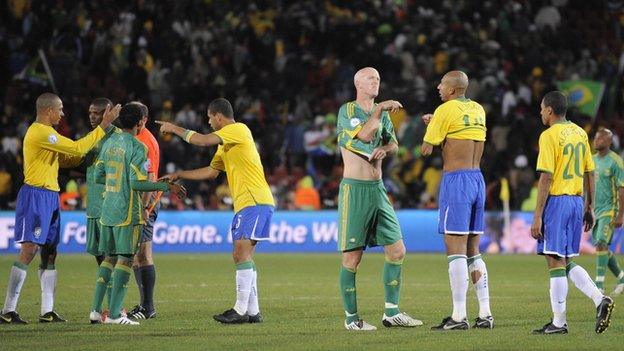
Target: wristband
{"type": "Point", "coordinates": [188, 134]}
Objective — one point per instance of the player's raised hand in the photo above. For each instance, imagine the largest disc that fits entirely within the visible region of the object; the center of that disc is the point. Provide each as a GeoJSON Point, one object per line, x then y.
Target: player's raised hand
{"type": "Point", "coordinates": [536, 228]}
{"type": "Point", "coordinates": [427, 118]}
{"type": "Point", "coordinates": [166, 127]}
{"type": "Point", "coordinates": [390, 105]}
{"type": "Point", "coordinates": [378, 154]}
{"type": "Point", "coordinates": [178, 190]}
{"type": "Point", "coordinates": [110, 114]}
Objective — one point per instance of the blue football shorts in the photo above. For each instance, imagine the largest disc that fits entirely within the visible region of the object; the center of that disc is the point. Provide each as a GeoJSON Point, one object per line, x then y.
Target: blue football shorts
{"type": "Point", "coordinates": [462, 202]}
{"type": "Point", "coordinates": [562, 226]}
{"type": "Point", "coordinates": [253, 223]}
{"type": "Point", "coordinates": [37, 216]}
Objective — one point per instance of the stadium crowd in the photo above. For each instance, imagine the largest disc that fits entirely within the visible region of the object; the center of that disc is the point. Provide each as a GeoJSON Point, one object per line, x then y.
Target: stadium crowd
{"type": "Point", "coordinates": [288, 66]}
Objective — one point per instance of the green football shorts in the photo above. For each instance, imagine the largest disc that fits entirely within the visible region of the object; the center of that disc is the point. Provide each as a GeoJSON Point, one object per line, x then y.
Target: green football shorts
{"type": "Point", "coordinates": [93, 236]}
{"type": "Point", "coordinates": [123, 240]}
{"type": "Point", "coordinates": [366, 217]}
{"type": "Point", "coordinates": [603, 231]}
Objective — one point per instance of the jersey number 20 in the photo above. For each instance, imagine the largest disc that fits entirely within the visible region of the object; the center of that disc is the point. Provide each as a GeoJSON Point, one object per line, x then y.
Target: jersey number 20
{"type": "Point", "coordinates": [576, 152]}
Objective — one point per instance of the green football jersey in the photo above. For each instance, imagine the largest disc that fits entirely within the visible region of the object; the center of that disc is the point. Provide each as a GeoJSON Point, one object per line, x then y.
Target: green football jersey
{"type": "Point", "coordinates": [123, 159]}
{"type": "Point", "coordinates": [351, 119]}
{"type": "Point", "coordinates": [609, 178]}
{"type": "Point", "coordinates": [95, 190]}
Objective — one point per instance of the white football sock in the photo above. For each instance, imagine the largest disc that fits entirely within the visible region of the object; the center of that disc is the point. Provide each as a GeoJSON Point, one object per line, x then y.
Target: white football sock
{"type": "Point", "coordinates": [481, 285]}
{"type": "Point", "coordinates": [253, 308]}
{"type": "Point", "coordinates": [48, 288]}
{"type": "Point", "coordinates": [584, 283]}
{"type": "Point", "coordinates": [458, 275]}
{"type": "Point", "coordinates": [558, 295]}
{"type": "Point", "coordinates": [243, 289]}
{"type": "Point", "coordinates": [16, 281]}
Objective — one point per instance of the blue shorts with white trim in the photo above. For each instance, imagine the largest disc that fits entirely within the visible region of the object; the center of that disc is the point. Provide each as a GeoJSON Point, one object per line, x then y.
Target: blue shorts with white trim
{"type": "Point", "coordinates": [37, 216]}
{"type": "Point", "coordinates": [562, 226]}
{"type": "Point", "coordinates": [253, 223]}
{"type": "Point", "coordinates": [462, 202]}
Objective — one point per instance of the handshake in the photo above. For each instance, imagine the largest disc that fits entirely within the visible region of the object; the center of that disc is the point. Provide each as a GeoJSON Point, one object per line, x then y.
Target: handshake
{"type": "Point", "coordinates": [178, 189]}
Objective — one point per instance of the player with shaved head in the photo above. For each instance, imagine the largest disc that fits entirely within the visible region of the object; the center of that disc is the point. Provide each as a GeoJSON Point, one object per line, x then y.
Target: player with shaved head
{"type": "Point", "coordinates": [366, 136]}
{"type": "Point", "coordinates": [458, 126]}
{"type": "Point", "coordinates": [609, 210]}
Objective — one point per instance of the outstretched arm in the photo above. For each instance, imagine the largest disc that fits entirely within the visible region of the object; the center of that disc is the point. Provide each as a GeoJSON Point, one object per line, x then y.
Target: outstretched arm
{"type": "Point", "coordinates": [190, 136]}
{"type": "Point", "coordinates": [204, 173]}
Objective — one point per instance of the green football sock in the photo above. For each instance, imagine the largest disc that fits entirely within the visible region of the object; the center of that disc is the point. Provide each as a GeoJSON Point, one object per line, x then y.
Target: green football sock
{"type": "Point", "coordinates": [392, 286]}
{"type": "Point", "coordinates": [121, 276]}
{"type": "Point", "coordinates": [602, 258]}
{"type": "Point", "coordinates": [349, 295]}
{"type": "Point", "coordinates": [614, 267]}
{"type": "Point", "coordinates": [101, 284]}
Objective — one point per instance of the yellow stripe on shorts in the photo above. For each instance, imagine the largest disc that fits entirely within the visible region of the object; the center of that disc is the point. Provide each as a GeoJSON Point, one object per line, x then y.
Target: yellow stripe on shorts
{"type": "Point", "coordinates": [344, 215]}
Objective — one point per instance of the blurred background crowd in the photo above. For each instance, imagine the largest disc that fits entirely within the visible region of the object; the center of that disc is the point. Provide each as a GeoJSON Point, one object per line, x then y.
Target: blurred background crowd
{"type": "Point", "coordinates": [287, 66]}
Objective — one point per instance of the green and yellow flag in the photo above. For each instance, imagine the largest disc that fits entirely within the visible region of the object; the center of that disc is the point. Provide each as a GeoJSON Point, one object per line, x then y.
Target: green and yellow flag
{"type": "Point", "coordinates": [584, 94]}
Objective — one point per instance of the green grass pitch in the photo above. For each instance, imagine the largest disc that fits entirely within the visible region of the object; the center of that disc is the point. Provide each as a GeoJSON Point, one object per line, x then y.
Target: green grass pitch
{"type": "Point", "coordinates": [302, 309]}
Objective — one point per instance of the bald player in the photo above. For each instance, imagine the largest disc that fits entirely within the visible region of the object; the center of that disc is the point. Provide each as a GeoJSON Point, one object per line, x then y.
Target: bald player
{"type": "Point", "coordinates": [366, 136]}
{"type": "Point", "coordinates": [609, 173]}
{"type": "Point", "coordinates": [37, 213]}
{"type": "Point", "coordinates": [458, 126]}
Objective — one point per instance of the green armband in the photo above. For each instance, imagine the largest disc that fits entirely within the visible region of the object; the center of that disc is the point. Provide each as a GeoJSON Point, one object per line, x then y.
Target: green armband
{"type": "Point", "coordinates": [188, 134]}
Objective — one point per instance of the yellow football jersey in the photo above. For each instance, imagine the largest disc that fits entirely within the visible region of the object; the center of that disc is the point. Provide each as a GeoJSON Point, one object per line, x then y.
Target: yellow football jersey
{"type": "Point", "coordinates": [239, 159]}
{"type": "Point", "coordinates": [564, 151]}
{"type": "Point", "coordinates": [42, 147]}
{"type": "Point", "coordinates": [459, 118]}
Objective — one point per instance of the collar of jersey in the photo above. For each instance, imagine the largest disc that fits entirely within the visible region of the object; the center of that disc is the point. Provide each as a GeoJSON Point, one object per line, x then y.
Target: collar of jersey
{"type": "Point", "coordinates": [565, 121]}
{"type": "Point", "coordinates": [462, 99]}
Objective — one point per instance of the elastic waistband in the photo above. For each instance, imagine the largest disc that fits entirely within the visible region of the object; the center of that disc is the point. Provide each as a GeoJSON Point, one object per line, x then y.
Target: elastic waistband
{"type": "Point", "coordinates": [463, 171]}
{"type": "Point", "coordinates": [359, 182]}
{"type": "Point", "coordinates": [39, 188]}
{"type": "Point", "coordinates": [563, 196]}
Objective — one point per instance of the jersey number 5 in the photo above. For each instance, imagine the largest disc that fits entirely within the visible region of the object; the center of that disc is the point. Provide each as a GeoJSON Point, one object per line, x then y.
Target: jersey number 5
{"type": "Point", "coordinates": [575, 152]}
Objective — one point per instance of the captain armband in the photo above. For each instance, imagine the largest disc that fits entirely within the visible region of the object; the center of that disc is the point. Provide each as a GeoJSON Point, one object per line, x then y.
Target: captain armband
{"type": "Point", "coordinates": [188, 134]}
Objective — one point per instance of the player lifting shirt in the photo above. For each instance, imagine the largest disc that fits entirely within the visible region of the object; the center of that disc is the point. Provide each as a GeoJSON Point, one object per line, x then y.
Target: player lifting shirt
{"type": "Point", "coordinates": [459, 123]}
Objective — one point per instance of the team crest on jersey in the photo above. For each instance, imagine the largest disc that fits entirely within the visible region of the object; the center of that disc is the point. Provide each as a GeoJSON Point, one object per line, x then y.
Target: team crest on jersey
{"type": "Point", "coordinates": [53, 139]}
{"type": "Point", "coordinates": [355, 122]}
{"type": "Point", "coordinates": [607, 172]}
{"type": "Point", "coordinates": [37, 232]}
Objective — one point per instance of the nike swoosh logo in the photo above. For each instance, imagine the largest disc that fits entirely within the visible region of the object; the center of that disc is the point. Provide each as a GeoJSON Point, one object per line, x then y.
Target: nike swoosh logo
{"type": "Point", "coordinates": [47, 319]}
{"type": "Point", "coordinates": [560, 302]}
{"type": "Point", "coordinates": [448, 327]}
{"type": "Point", "coordinates": [8, 320]}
